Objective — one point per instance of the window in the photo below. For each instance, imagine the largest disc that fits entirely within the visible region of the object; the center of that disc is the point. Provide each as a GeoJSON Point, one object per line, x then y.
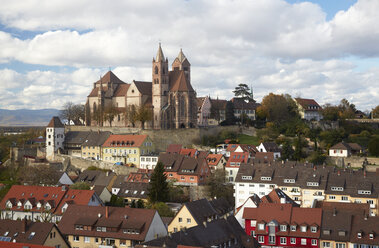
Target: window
{"type": "Point", "coordinates": [359, 235]}
{"type": "Point", "coordinates": [339, 245]}
{"type": "Point", "coordinates": [336, 188]}
{"type": "Point", "coordinates": [252, 233]}
{"type": "Point", "coordinates": [314, 184]}
{"type": "Point", "coordinates": [314, 242]}
{"type": "Point", "coordinates": [122, 242]}
{"type": "Point", "coordinates": [261, 226]}
{"type": "Point", "coordinates": [303, 241]}
{"type": "Point", "coordinates": [293, 240]}
{"type": "Point", "coordinates": [326, 244]}
{"type": "Point", "coordinates": [344, 198]}
{"type": "Point", "coordinates": [283, 228]}
{"type": "Point", "coordinates": [332, 197]}
{"type": "Point", "coordinates": [180, 220]}
{"type": "Point", "coordinates": [271, 239]}
{"type": "Point", "coordinates": [86, 240]}
{"type": "Point", "coordinates": [96, 240]}
{"type": "Point", "coordinates": [313, 229]}
{"type": "Point", "coordinates": [76, 238]}
{"type": "Point", "coordinates": [283, 240]}
{"type": "Point", "coordinates": [261, 239]}
{"type": "Point", "coordinates": [188, 220]}
{"type": "Point", "coordinates": [175, 229]}
{"type": "Point", "coordinates": [293, 228]}
{"type": "Point", "coordinates": [303, 228]}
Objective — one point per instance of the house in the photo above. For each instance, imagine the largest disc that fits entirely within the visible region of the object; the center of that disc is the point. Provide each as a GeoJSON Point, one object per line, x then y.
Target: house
{"type": "Point", "coordinates": [203, 111]}
{"type": "Point", "coordinates": [54, 137]}
{"type": "Point", "coordinates": [343, 149]}
{"type": "Point", "coordinates": [198, 212]}
{"type": "Point", "coordinates": [233, 164]}
{"type": "Point", "coordinates": [88, 226]}
{"type": "Point", "coordinates": [308, 109]}
{"type": "Point", "coordinates": [97, 178]}
{"type": "Point", "coordinates": [283, 225]}
{"type": "Point", "coordinates": [365, 231]}
{"type": "Point", "coordinates": [132, 192]}
{"type": "Point", "coordinates": [216, 161]}
{"type": "Point", "coordinates": [183, 170]}
{"type": "Point", "coordinates": [240, 106]}
{"type": "Point", "coordinates": [126, 149]}
{"type": "Point", "coordinates": [41, 203]}
{"type": "Point", "coordinates": [218, 111]}
{"type": "Point", "coordinates": [264, 157]}
{"type": "Point", "coordinates": [275, 196]}
{"type": "Point", "coordinates": [4, 244]}
{"type": "Point", "coordinates": [73, 141]}
{"type": "Point", "coordinates": [103, 193]}
{"type": "Point", "coordinates": [270, 147]}
{"type": "Point", "coordinates": [92, 145]}
{"type": "Point", "coordinates": [148, 161]}
{"type": "Point", "coordinates": [223, 232]}
{"type": "Point", "coordinates": [30, 233]}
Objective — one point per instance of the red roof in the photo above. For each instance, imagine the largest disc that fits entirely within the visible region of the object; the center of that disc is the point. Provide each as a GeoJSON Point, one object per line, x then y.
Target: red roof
{"type": "Point", "coordinates": [121, 140]}
{"type": "Point", "coordinates": [214, 159]}
{"type": "Point", "coordinates": [237, 158]}
{"type": "Point", "coordinates": [174, 148]}
{"type": "Point", "coordinates": [21, 245]}
{"type": "Point", "coordinates": [232, 147]}
{"type": "Point", "coordinates": [308, 104]}
{"type": "Point", "coordinates": [190, 152]}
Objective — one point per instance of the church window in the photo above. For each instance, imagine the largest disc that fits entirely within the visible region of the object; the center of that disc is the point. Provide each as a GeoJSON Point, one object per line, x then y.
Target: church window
{"type": "Point", "coordinates": [157, 81]}
{"type": "Point", "coordinates": [156, 69]}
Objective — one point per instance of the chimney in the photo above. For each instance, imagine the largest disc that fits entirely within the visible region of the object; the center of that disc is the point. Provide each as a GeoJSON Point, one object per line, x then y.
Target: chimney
{"type": "Point", "coordinates": [24, 225]}
{"type": "Point", "coordinates": [339, 173]}
{"type": "Point", "coordinates": [106, 212]}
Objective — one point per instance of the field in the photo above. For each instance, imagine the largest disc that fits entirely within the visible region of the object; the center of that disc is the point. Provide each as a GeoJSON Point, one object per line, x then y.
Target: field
{"type": "Point", "coordinates": [246, 139]}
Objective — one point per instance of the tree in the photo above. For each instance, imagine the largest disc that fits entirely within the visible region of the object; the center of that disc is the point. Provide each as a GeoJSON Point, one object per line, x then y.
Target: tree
{"type": "Point", "coordinates": [287, 150]}
{"type": "Point", "coordinates": [298, 154]}
{"type": "Point", "coordinates": [330, 112]}
{"type": "Point", "coordinates": [230, 119]}
{"type": "Point", "coordinates": [98, 116]}
{"type": "Point", "coordinates": [73, 112]}
{"type": "Point", "coordinates": [158, 186]}
{"type": "Point", "coordinates": [243, 91]}
{"type": "Point", "coordinates": [131, 114]}
{"type": "Point", "coordinates": [80, 185]}
{"type": "Point", "coordinates": [110, 112]}
{"type": "Point", "coordinates": [347, 110]}
{"type": "Point", "coordinates": [216, 186]}
{"type": "Point", "coordinates": [144, 114]}
{"type": "Point", "coordinates": [375, 112]}
{"type": "Point", "coordinates": [163, 209]}
{"type": "Point", "coordinates": [373, 146]}
{"type": "Point", "coordinates": [277, 108]}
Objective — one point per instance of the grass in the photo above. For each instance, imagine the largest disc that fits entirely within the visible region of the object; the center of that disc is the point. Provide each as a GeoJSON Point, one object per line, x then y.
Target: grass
{"type": "Point", "coordinates": [247, 139]}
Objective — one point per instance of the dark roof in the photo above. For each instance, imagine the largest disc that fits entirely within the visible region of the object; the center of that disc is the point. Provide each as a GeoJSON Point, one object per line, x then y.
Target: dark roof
{"type": "Point", "coordinates": [76, 137]}
{"type": "Point", "coordinates": [182, 164]}
{"type": "Point", "coordinates": [179, 82]}
{"type": "Point", "coordinates": [16, 231]}
{"type": "Point", "coordinates": [133, 189]}
{"type": "Point", "coordinates": [347, 146]}
{"type": "Point", "coordinates": [239, 103]}
{"type": "Point", "coordinates": [144, 87]}
{"type": "Point", "coordinates": [55, 122]}
{"type": "Point", "coordinates": [174, 148]}
{"type": "Point", "coordinates": [214, 233]}
{"type": "Point", "coordinates": [271, 146]}
{"type": "Point", "coordinates": [96, 138]}
{"type": "Point", "coordinates": [203, 210]}
{"type": "Point", "coordinates": [96, 177]}
{"type": "Point", "coordinates": [218, 103]}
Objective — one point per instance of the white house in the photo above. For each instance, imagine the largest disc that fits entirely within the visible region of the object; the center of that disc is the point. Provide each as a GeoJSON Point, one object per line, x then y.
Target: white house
{"type": "Point", "coordinates": [309, 109]}
{"type": "Point", "coordinates": [54, 137]}
{"type": "Point", "coordinates": [148, 161]}
{"type": "Point", "coordinates": [270, 147]}
{"type": "Point", "coordinates": [203, 111]}
{"type": "Point", "coordinates": [344, 150]}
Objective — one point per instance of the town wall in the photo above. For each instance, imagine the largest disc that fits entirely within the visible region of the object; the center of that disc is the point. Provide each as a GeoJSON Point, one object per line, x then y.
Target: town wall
{"type": "Point", "coordinates": [356, 162]}
{"type": "Point", "coordinates": [162, 138]}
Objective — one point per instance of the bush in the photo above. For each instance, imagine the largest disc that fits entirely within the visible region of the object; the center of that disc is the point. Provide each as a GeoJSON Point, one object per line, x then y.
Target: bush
{"type": "Point", "coordinates": [373, 147]}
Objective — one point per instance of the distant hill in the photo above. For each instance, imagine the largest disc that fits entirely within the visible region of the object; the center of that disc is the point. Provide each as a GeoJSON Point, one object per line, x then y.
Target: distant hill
{"type": "Point", "coordinates": [26, 117]}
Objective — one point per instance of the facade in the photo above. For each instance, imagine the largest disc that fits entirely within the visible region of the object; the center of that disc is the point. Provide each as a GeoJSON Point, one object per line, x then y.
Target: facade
{"type": "Point", "coordinates": [170, 96]}
{"type": "Point", "coordinates": [86, 226]}
{"type": "Point", "coordinates": [240, 107]}
{"type": "Point", "coordinates": [270, 147]}
{"type": "Point", "coordinates": [344, 150]}
{"type": "Point", "coordinates": [132, 192]}
{"type": "Point", "coordinates": [126, 149]}
{"type": "Point", "coordinates": [184, 170]}
{"type": "Point", "coordinates": [73, 142]}
{"type": "Point", "coordinates": [233, 164]}
{"type": "Point", "coordinates": [308, 109]}
{"type": "Point", "coordinates": [31, 233]}
{"type": "Point", "coordinates": [54, 137]}
{"type": "Point", "coordinates": [216, 161]}
{"type": "Point", "coordinates": [203, 111]}
{"type": "Point", "coordinates": [92, 146]}
{"type": "Point", "coordinates": [148, 161]}
{"type": "Point", "coordinates": [198, 212]}
{"type": "Point", "coordinates": [46, 204]}
{"type": "Point", "coordinates": [283, 225]}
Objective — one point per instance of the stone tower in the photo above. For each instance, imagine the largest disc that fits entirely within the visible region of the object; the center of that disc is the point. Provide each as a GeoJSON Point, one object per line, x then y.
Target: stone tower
{"type": "Point", "coordinates": [182, 63]}
{"type": "Point", "coordinates": [54, 137]}
{"type": "Point", "coordinates": [160, 87]}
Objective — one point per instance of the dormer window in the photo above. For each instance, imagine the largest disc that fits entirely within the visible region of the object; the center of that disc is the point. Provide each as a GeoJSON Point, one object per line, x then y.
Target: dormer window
{"type": "Point", "coordinates": [336, 188]}
{"type": "Point", "coordinates": [312, 184]}
{"type": "Point", "coordinates": [246, 177]}
{"type": "Point", "coordinates": [283, 228]}
{"type": "Point", "coordinates": [371, 235]}
{"type": "Point", "coordinates": [313, 229]}
{"type": "Point", "coordinates": [303, 228]}
{"type": "Point", "coordinates": [261, 226]}
{"type": "Point", "coordinates": [364, 192]}
{"type": "Point", "coordinates": [359, 235]}
{"type": "Point", "coordinates": [341, 233]}
{"type": "Point", "coordinates": [289, 180]}
{"type": "Point", "coordinates": [266, 178]}
{"type": "Point", "coordinates": [9, 204]}
{"type": "Point", "coordinates": [326, 232]}
{"type": "Point", "coordinates": [293, 228]}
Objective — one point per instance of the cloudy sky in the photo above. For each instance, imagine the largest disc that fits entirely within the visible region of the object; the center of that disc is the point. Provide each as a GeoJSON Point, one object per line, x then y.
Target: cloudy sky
{"type": "Point", "coordinates": [51, 51]}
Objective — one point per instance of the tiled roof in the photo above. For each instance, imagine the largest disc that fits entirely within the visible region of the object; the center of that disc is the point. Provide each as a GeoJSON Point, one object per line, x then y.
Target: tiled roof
{"type": "Point", "coordinates": [76, 137]}
{"type": "Point", "coordinates": [142, 177]}
{"type": "Point", "coordinates": [96, 177]}
{"type": "Point", "coordinates": [174, 148]}
{"type": "Point", "coordinates": [263, 157]}
{"type": "Point", "coordinates": [199, 102]}
{"type": "Point", "coordinates": [308, 104]}
{"type": "Point", "coordinates": [96, 138]}
{"type": "Point", "coordinates": [110, 77]}
{"type": "Point", "coordinates": [21, 230]}
{"type": "Point", "coordinates": [239, 103]}
{"type": "Point", "coordinates": [121, 90]}
{"type": "Point", "coordinates": [237, 158]}
{"type": "Point", "coordinates": [347, 146]}
{"type": "Point", "coordinates": [214, 159]}
{"type": "Point", "coordinates": [181, 164]}
{"type": "Point", "coordinates": [188, 152]}
{"type": "Point", "coordinates": [144, 87]}
{"type": "Point", "coordinates": [120, 140]}
{"type": "Point", "coordinates": [219, 104]}
{"type": "Point", "coordinates": [55, 122]}
{"type": "Point", "coordinates": [214, 233]}
{"type": "Point", "coordinates": [4, 244]}
{"type": "Point", "coordinates": [276, 195]}
{"type": "Point", "coordinates": [135, 219]}
{"type": "Point", "coordinates": [134, 189]}
{"type": "Point", "coordinates": [179, 82]}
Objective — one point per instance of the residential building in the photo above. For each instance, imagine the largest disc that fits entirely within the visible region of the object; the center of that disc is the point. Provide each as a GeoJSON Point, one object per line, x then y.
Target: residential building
{"type": "Point", "coordinates": [31, 233]}
{"type": "Point", "coordinates": [131, 192]}
{"type": "Point", "coordinates": [148, 161]}
{"type": "Point", "coordinates": [199, 212]}
{"type": "Point", "coordinates": [184, 170]}
{"type": "Point", "coordinates": [218, 111]}
{"type": "Point", "coordinates": [283, 225]}
{"type": "Point", "coordinates": [343, 149]}
{"type": "Point", "coordinates": [73, 142]}
{"type": "Point", "coordinates": [169, 95]}
{"type": "Point", "coordinates": [223, 232]}
{"type": "Point", "coordinates": [42, 203]}
{"type": "Point", "coordinates": [233, 164]}
{"type": "Point", "coordinates": [240, 106]}
{"type": "Point", "coordinates": [54, 137]}
{"type": "Point", "coordinates": [216, 161]}
{"type": "Point", "coordinates": [270, 147]}
{"type": "Point", "coordinates": [97, 178]}
{"type": "Point", "coordinates": [86, 226]}
{"type": "Point", "coordinates": [264, 157]}
{"type": "Point", "coordinates": [126, 149]}
{"type": "Point", "coordinates": [92, 146]}
{"type": "Point", "coordinates": [104, 194]}
{"type": "Point", "coordinates": [203, 111]}
{"type": "Point", "coordinates": [308, 109]}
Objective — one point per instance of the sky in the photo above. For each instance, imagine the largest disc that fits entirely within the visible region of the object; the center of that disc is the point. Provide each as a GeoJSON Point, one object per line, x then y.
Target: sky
{"type": "Point", "coordinates": [51, 51]}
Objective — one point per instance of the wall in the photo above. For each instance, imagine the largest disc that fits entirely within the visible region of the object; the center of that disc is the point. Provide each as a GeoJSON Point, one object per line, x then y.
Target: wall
{"type": "Point", "coordinates": [82, 164]}
{"type": "Point", "coordinates": [356, 162]}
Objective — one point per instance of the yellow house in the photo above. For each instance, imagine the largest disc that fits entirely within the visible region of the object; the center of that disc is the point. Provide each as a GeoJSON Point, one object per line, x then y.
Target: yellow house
{"type": "Point", "coordinates": [91, 147]}
{"type": "Point", "coordinates": [126, 149]}
{"type": "Point", "coordinates": [199, 212]}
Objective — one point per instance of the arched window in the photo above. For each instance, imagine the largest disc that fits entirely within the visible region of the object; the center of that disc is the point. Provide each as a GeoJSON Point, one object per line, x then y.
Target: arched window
{"type": "Point", "coordinates": [156, 69]}
{"type": "Point", "coordinates": [182, 108]}
{"type": "Point", "coordinates": [94, 107]}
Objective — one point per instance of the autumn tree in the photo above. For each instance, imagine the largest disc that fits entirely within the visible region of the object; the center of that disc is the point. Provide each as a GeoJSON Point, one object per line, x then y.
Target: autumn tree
{"type": "Point", "coordinates": [347, 110]}
{"type": "Point", "coordinates": [144, 114]}
{"type": "Point", "coordinates": [330, 112]}
{"type": "Point", "coordinates": [110, 112]}
{"type": "Point", "coordinates": [277, 108]}
{"type": "Point", "coordinates": [375, 112]}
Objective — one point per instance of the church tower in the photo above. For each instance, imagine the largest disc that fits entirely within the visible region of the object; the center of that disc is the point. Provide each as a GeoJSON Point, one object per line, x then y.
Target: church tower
{"type": "Point", "coordinates": [160, 81]}
{"type": "Point", "coordinates": [182, 63]}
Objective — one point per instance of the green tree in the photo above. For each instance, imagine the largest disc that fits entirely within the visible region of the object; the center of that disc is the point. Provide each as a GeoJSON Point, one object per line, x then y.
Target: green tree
{"type": "Point", "coordinates": [347, 110]}
{"type": "Point", "coordinates": [144, 114]}
{"type": "Point", "coordinates": [373, 147]}
{"type": "Point", "coordinates": [116, 201]}
{"type": "Point", "coordinates": [277, 108]}
{"type": "Point", "coordinates": [330, 112]}
{"type": "Point", "coordinates": [230, 119]}
{"type": "Point", "coordinates": [140, 204]}
{"type": "Point", "coordinates": [80, 185]}
{"type": "Point", "coordinates": [298, 154]}
{"type": "Point", "coordinates": [158, 186]}
{"type": "Point", "coordinates": [287, 150]}
{"type": "Point", "coordinates": [216, 186]}
{"type": "Point", "coordinates": [163, 209]}
{"type": "Point", "coordinates": [243, 91]}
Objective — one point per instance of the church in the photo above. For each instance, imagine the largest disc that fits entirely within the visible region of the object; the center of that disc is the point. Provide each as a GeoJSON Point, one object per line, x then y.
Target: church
{"type": "Point", "coordinates": [169, 98]}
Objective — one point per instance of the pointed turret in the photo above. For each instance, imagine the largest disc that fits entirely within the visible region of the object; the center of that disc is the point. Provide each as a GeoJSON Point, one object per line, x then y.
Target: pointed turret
{"type": "Point", "coordinates": [181, 56]}
{"type": "Point", "coordinates": [160, 56]}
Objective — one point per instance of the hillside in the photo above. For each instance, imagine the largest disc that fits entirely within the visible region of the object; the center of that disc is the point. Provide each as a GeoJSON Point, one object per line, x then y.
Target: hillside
{"type": "Point", "coordinates": [26, 117]}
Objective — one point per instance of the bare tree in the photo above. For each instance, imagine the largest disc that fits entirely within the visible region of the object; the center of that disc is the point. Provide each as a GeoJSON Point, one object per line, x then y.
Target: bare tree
{"type": "Point", "coordinates": [73, 112]}
{"type": "Point", "coordinates": [131, 114]}
{"type": "Point", "coordinates": [144, 114]}
{"type": "Point", "coordinates": [110, 112]}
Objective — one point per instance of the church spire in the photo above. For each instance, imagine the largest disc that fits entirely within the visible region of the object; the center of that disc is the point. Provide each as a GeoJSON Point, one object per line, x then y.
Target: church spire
{"type": "Point", "coordinates": [181, 56]}
{"type": "Point", "coordinates": [160, 56]}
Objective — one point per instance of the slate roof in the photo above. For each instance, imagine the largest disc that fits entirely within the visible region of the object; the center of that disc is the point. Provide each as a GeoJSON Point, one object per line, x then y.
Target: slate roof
{"type": "Point", "coordinates": [76, 137]}
{"type": "Point", "coordinates": [144, 87]}
{"type": "Point", "coordinates": [181, 164]}
{"type": "Point", "coordinates": [20, 230]}
{"type": "Point", "coordinates": [128, 218]}
{"type": "Point", "coordinates": [134, 189]}
{"type": "Point", "coordinates": [271, 146]}
{"type": "Point", "coordinates": [96, 138]}
{"type": "Point", "coordinates": [55, 122]}
{"type": "Point", "coordinates": [218, 103]}
{"type": "Point", "coordinates": [214, 233]}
